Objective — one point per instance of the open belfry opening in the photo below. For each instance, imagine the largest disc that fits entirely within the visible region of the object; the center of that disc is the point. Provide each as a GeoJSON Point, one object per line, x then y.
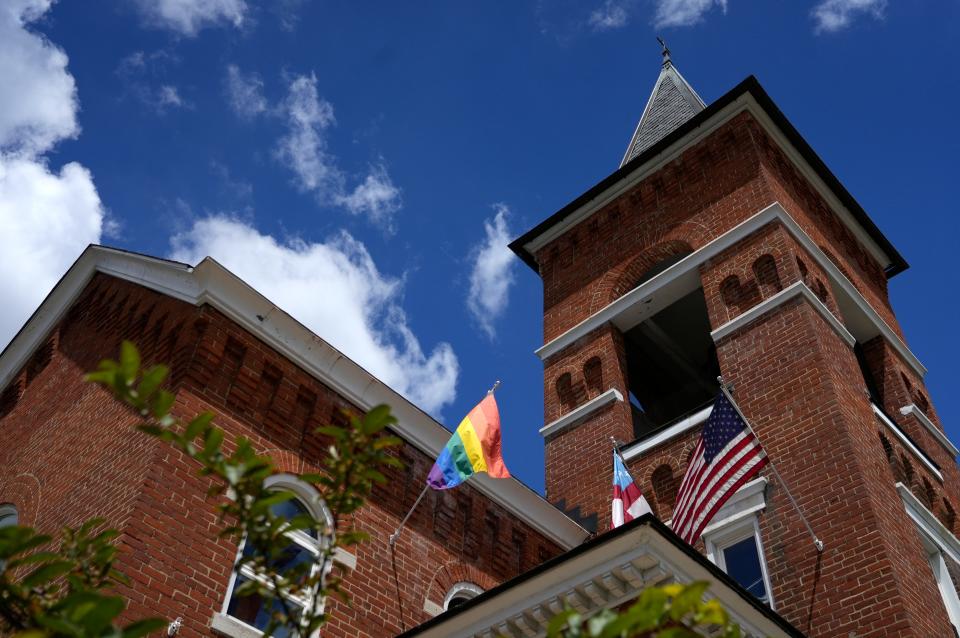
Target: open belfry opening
{"type": "Point", "coordinates": [722, 254]}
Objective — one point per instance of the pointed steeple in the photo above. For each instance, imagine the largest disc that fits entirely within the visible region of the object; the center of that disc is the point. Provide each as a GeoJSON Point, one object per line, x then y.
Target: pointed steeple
{"type": "Point", "coordinates": [672, 102]}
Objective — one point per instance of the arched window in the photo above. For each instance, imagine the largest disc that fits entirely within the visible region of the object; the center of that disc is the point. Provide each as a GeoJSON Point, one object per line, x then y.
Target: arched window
{"type": "Point", "coordinates": [305, 545]}
{"type": "Point", "coordinates": [8, 515]}
{"type": "Point", "coordinates": [460, 593]}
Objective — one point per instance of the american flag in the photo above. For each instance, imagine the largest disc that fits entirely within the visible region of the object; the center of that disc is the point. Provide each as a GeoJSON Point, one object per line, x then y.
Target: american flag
{"type": "Point", "coordinates": [727, 456]}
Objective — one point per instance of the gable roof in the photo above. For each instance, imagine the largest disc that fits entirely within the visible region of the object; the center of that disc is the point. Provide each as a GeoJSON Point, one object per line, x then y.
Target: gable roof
{"type": "Point", "coordinates": [211, 283]}
{"type": "Point", "coordinates": [671, 103]}
{"type": "Point", "coordinates": [605, 572]}
{"type": "Point", "coordinates": [749, 95]}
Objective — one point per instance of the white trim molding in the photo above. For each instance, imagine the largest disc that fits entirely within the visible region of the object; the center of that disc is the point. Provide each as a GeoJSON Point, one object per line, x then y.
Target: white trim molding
{"type": "Point", "coordinates": [860, 319]}
{"type": "Point", "coordinates": [578, 414]}
{"type": "Point", "coordinates": [928, 524]}
{"type": "Point", "coordinates": [913, 410]}
{"type": "Point", "coordinates": [210, 283]}
{"type": "Point", "coordinates": [226, 625]}
{"type": "Point", "coordinates": [749, 500]}
{"type": "Point", "coordinates": [611, 572]}
{"type": "Point", "coordinates": [906, 442]}
{"type": "Point", "coordinates": [670, 432]}
{"type": "Point", "coordinates": [796, 289]}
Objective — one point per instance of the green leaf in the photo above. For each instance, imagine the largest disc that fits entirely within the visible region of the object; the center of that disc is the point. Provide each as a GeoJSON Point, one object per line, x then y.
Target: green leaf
{"type": "Point", "coordinates": [212, 441]}
{"type": "Point", "coordinates": [162, 402]}
{"type": "Point", "coordinates": [129, 361]}
{"type": "Point", "coordinates": [567, 618]}
{"type": "Point", "coordinates": [46, 573]}
{"type": "Point", "coordinates": [198, 425]}
{"type": "Point", "coordinates": [151, 380]}
{"type": "Point", "coordinates": [688, 599]}
{"type": "Point", "coordinates": [677, 632]}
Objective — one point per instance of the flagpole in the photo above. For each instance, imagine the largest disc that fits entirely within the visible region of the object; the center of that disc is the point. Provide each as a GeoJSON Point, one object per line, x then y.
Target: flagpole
{"type": "Point", "coordinates": [816, 540]}
{"type": "Point", "coordinates": [396, 534]}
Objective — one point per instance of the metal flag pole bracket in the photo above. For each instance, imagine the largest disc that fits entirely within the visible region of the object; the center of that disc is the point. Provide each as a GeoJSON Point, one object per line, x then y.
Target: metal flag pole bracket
{"type": "Point", "coordinates": [726, 389]}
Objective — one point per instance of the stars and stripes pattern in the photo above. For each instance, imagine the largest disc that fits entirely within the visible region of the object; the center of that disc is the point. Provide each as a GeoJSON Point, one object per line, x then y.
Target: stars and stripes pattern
{"type": "Point", "coordinates": [727, 455]}
{"type": "Point", "coordinates": [628, 500]}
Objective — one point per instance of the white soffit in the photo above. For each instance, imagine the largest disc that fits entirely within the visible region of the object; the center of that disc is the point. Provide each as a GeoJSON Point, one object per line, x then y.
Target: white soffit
{"type": "Point", "coordinates": [860, 319]}
{"type": "Point", "coordinates": [745, 102]}
{"type": "Point", "coordinates": [209, 282]}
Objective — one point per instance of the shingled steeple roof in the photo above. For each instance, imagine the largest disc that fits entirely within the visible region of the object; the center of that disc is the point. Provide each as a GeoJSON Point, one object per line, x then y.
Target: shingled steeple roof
{"type": "Point", "coordinates": [672, 102]}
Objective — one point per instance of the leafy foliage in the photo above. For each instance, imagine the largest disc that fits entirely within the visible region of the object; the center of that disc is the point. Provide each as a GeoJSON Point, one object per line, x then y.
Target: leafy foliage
{"type": "Point", "coordinates": [671, 611]}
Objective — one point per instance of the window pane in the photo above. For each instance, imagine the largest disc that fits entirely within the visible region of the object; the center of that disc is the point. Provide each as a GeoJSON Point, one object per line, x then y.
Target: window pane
{"type": "Point", "coordinates": [292, 555]}
{"type": "Point", "coordinates": [290, 509]}
{"type": "Point", "coordinates": [743, 565]}
{"type": "Point", "coordinates": [253, 611]}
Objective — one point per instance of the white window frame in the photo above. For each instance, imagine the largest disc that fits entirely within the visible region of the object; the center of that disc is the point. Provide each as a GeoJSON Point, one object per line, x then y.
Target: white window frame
{"type": "Point", "coordinates": [736, 521]}
{"type": "Point", "coordinates": [939, 543]}
{"type": "Point", "coordinates": [463, 589]}
{"type": "Point", "coordinates": [9, 511]}
{"type": "Point", "coordinates": [307, 496]}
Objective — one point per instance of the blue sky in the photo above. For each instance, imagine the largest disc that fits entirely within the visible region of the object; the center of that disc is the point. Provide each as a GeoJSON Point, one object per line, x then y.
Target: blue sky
{"type": "Point", "coordinates": [364, 164]}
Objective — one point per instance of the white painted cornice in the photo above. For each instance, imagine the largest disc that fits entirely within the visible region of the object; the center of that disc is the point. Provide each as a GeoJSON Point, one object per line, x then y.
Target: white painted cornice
{"type": "Point", "coordinates": [860, 318]}
{"type": "Point", "coordinates": [580, 413]}
{"type": "Point", "coordinates": [913, 410]}
{"type": "Point", "coordinates": [211, 283]}
{"type": "Point", "coordinates": [686, 424]}
{"type": "Point", "coordinates": [907, 443]}
{"type": "Point", "coordinates": [929, 524]}
{"type": "Point", "coordinates": [796, 289]}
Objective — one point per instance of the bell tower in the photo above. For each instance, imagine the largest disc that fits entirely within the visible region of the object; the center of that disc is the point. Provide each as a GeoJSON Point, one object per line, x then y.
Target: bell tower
{"type": "Point", "coordinates": [723, 245]}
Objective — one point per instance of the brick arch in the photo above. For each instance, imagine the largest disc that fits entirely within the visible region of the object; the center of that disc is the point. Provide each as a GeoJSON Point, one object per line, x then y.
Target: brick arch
{"type": "Point", "coordinates": [23, 491]}
{"type": "Point", "coordinates": [665, 481]}
{"type": "Point", "coordinates": [767, 275]}
{"type": "Point", "coordinates": [569, 388]}
{"type": "Point", "coordinates": [454, 572]}
{"type": "Point", "coordinates": [627, 276]}
{"type": "Point", "coordinates": [593, 375]}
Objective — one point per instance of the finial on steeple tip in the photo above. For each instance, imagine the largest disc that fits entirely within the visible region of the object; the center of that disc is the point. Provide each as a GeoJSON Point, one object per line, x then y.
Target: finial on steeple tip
{"type": "Point", "coordinates": [665, 53]}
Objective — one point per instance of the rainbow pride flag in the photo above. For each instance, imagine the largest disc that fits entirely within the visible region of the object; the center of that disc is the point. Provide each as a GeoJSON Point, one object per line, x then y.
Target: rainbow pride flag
{"type": "Point", "coordinates": [474, 447]}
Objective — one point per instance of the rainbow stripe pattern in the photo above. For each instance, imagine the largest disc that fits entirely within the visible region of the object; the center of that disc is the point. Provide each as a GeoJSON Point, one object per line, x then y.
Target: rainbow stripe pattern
{"type": "Point", "coordinates": [474, 447]}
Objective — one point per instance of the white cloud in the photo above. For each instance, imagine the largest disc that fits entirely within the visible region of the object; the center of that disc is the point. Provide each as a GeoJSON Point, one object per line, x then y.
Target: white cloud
{"type": "Point", "coordinates": [38, 102]}
{"type": "Point", "coordinates": [47, 217]}
{"type": "Point", "coordinates": [245, 92]}
{"type": "Point", "coordinates": [612, 15]}
{"type": "Point", "coordinates": [376, 197]}
{"type": "Point", "coordinates": [167, 96]}
{"type": "Point", "coordinates": [140, 72]}
{"type": "Point", "coordinates": [492, 273]}
{"type": "Point", "coordinates": [46, 220]}
{"type": "Point", "coordinates": [335, 289]}
{"type": "Point", "coordinates": [188, 17]}
{"type": "Point", "coordinates": [303, 149]}
{"type": "Point", "coordinates": [833, 15]}
{"type": "Point", "coordinates": [683, 13]}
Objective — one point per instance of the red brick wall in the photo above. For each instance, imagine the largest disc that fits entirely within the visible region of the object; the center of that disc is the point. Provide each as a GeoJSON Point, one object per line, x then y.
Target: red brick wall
{"type": "Point", "coordinates": [69, 453]}
{"type": "Point", "coordinates": [797, 381]}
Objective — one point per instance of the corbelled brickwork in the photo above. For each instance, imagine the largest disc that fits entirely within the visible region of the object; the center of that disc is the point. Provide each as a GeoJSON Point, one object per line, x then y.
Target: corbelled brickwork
{"type": "Point", "coordinates": [795, 378]}
{"type": "Point", "coordinates": [69, 452]}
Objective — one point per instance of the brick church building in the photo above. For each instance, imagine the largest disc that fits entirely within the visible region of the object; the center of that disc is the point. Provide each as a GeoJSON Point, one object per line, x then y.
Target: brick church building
{"type": "Point", "coordinates": [721, 246]}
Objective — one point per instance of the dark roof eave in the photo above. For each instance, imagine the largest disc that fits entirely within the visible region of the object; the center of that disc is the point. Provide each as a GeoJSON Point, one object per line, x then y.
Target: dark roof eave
{"type": "Point", "coordinates": [750, 85]}
{"type": "Point", "coordinates": [646, 519]}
